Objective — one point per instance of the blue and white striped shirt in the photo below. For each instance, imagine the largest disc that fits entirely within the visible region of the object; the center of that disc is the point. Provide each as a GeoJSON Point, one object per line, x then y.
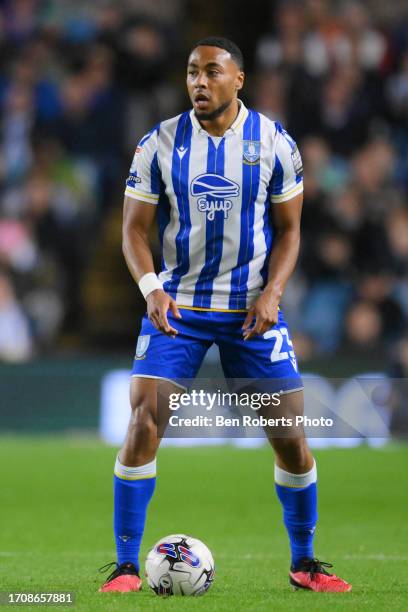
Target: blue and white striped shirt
{"type": "Point", "coordinates": [214, 198]}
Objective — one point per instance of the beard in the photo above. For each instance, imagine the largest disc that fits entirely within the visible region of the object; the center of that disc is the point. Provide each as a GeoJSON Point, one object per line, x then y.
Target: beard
{"type": "Point", "coordinates": [214, 114]}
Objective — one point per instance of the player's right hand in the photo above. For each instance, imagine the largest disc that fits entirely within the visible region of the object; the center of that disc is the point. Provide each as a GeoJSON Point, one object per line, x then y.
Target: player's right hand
{"type": "Point", "coordinates": [158, 303]}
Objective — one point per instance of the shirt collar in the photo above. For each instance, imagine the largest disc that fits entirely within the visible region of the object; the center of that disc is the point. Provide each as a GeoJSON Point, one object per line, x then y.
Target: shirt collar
{"type": "Point", "coordinates": [235, 127]}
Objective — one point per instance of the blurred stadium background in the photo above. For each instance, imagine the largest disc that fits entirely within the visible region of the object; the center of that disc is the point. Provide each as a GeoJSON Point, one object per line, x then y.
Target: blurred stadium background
{"type": "Point", "coordinates": [81, 82]}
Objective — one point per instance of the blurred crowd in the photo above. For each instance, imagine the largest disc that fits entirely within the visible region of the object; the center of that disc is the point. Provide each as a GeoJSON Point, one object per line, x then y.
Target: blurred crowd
{"type": "Point", "coordinates": [81, 82]}
{"type": "Point", "coordinates": [337, 76]}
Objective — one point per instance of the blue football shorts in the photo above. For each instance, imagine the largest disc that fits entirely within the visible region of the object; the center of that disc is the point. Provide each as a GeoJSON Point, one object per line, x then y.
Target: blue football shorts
{"type": "Point", "coordinates": [269, 357]}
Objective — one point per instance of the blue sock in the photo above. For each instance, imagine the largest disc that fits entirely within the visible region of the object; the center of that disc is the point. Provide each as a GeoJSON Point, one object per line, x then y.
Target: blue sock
{"type": "Point", "coordinates": [133, 490]}
{"type": "Point", "coordinates": [298, 496]}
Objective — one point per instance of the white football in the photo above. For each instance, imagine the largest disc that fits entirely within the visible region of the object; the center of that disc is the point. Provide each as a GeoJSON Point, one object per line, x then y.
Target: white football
{"type": "Point", "coordinates": [179, 565]}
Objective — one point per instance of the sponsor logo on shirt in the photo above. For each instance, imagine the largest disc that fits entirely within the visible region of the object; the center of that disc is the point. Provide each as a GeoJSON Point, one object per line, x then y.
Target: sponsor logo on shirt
{"type": "Point", "coordinates": [133, 178]}
{"type": "Point", "coordinates": [213, 193]}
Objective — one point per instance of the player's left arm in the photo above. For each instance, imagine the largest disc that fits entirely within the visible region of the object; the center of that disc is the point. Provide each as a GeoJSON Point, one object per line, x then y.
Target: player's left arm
{"type": "Point", "coordinates": [282, 261]}
{"type": "Point", "coordinates": [286, 196]}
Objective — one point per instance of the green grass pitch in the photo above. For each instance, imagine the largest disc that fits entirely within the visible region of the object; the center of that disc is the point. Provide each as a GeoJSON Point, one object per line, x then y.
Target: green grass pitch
{"type": "Point", "coordinates": [56, 524]}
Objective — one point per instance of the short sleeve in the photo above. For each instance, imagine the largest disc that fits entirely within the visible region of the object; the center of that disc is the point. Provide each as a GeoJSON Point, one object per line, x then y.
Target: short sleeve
{"type": "Point", "coordinates": [144, 175]}
{"type": "Point", "coordinates": [287, 176]}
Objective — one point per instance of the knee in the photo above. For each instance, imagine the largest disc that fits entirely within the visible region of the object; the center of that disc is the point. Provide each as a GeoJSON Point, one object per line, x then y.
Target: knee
{"type": "Point", "coordinates": [143, 425]}
{"type": "Point", "coordinates": [142, 419]}
{"type": "Point", "coordinates": [293, 452]}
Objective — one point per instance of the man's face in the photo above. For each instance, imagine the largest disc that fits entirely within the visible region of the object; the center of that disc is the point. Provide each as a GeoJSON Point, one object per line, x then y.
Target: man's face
{"type": "Point", "coordinates": [213, 79]}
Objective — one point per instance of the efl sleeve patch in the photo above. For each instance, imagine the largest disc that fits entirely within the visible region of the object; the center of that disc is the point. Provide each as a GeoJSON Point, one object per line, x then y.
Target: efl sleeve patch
{"type": "Point", "coordinates": [144, 174]}
{"type": "Point", "coordinates": [287, 176]}
{"type": "Point", "coordinates": [297, 161]}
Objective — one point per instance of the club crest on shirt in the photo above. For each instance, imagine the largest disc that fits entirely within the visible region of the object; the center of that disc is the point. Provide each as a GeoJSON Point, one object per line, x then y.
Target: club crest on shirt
{"type": "Point", "coordinates": [251, 154]}
{"type": "Point", "coordinates": [213, 193]}
{"type": "Point", "coordinates": [142, 346]}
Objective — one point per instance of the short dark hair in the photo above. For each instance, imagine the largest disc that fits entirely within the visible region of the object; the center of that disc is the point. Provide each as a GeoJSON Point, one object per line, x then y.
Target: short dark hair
{"type": "Point", "coordinates": [222, 43]}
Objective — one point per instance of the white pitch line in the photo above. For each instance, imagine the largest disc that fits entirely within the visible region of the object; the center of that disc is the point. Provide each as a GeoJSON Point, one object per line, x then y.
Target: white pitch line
{"type": "Point", "coordinates": [97, 553]}
{"type": "Point", "coordinates": [370, 557]}
{"type": "Point", "coordinates": [376, 557]}
{"type": "Point", "coordinates": [247, 556]}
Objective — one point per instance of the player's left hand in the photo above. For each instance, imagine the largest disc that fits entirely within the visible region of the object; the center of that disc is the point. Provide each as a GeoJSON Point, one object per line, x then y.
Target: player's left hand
{"type": "Point", "coordinates": [265, 312]}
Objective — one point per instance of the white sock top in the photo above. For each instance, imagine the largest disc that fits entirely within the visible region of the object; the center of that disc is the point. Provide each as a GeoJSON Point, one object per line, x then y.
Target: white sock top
{"type": "Point", "coordinates": [135, 473]}
{"type": "Point", "coordinates": [295, 481]}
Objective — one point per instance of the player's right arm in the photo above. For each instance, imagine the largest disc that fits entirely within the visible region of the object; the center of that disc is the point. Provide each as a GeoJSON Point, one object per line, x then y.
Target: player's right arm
{"type": "Point", "coordinates": [141, 199]}
{"type": "Point", "coordinates": [137, 220]}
